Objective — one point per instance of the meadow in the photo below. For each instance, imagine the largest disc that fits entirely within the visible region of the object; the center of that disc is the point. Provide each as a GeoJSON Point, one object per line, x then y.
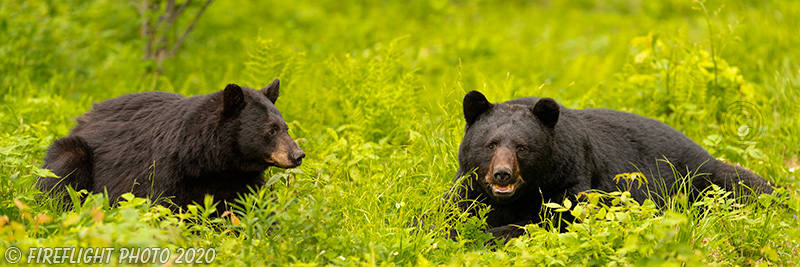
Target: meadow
{"type": "Point", "coordinates": [373, 90]}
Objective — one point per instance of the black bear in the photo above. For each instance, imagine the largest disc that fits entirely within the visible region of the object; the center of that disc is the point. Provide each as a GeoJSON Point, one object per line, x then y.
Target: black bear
{"type": "Point", "coordinates": [163, 145]}
{"type": "Point", "coordinates": [529, 150]}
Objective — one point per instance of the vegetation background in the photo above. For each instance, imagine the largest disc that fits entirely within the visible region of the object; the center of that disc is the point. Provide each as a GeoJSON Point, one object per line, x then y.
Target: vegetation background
{"type": "Point", "coordinates": [373, 90]}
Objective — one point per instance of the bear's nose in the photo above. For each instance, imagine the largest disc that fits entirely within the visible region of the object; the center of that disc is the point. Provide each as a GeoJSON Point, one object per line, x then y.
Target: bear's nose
{"type": "Point", "coordinates": [297, 158]}
{"type": "Point", "coordinates": [502, 174]}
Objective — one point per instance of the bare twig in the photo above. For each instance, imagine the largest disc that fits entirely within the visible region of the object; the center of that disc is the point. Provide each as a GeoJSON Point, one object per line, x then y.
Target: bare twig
{"type": "Point", "coordinates": [179, 12]}
{"type": "Point", "coordinates": [160, 42]}
{"type": "Point", "coordinates": [147, 30]}
{"type": "Point", "coordinates": [170, 7]}
{"type": "Point", "coordinates": [191, 26]}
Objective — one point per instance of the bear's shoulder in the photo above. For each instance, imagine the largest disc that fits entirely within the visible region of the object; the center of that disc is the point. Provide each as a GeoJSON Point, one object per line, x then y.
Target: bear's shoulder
{"type": "Point", "coordinates": [598, 117]}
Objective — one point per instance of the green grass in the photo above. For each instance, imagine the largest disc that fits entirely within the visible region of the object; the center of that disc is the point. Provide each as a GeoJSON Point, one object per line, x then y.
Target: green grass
{"type": "Point", "coordinates": [374, 90]}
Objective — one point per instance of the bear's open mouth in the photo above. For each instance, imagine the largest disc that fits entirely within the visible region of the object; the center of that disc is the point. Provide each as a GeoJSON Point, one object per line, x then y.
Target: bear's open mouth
{"type": "Point", "coordinates": [503, 189]}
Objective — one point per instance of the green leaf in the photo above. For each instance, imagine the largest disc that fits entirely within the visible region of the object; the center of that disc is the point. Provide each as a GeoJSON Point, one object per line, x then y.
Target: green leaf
{"type": "Point", "coordinates": [553, 205]}
{"type": "Point", "coordinates": [579, 213]}
{"type": "Point", "coordinates": [755, 153]}
{"type": "Point", "coordinates": [601, 214]}
{"type": "Point", "coordinates": [771, 254]}
{"type": "Point", "coordinates": [743, 131]}
{"type": "Point", "coordinates": [127, 196]}
{"type": "Point", "coordinates": [43, 172]}
{"type": "Point", "coordinates": [735, 149]}
{"type": "Point", "coordinates": [274, 179]}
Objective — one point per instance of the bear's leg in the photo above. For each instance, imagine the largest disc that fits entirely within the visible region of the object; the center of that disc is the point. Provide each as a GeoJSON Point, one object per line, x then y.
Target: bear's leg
{"type": "Point", "coordinates": [734, 178]}
{"type": "Point", "coordinates": [71, 159]}
{"type": "Point", "coordinates": [507, 232]}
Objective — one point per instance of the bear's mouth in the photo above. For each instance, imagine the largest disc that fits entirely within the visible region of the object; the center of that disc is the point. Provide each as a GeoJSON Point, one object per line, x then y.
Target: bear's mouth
{"type": "Point", "coordinates": [503, 180]}
{"type": "Point", "coordinates": [281, 163]}
{"type": "Point", "coordinates": [503, 189]}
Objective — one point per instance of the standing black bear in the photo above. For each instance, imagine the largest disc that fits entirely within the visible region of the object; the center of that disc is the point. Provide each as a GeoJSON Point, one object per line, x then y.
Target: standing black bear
{"type": "Point", "coordinates": [532, 149]}
{"type": "Point", "coordinates": [164, 145]}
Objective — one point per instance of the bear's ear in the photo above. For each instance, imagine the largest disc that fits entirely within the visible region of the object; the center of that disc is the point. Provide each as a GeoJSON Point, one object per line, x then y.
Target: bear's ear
{"type": "Point", "coordinates": [547, 110]}
{"type": "Point", "coordinates": [272, 90]}
{"type": "Point", "coordinates": [232, 100]}
{"type": "Point", "coordinates": [475, 104]}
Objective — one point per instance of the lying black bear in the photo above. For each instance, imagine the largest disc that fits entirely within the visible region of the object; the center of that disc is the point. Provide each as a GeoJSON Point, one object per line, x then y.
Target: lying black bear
{"type": "Point", "coordinates": [532, 149]}
{"type": "Point", "coordinates": [166, 146]}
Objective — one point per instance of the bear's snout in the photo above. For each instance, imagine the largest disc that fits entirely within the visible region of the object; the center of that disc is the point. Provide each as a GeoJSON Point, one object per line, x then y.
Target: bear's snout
{"type": "Point", "coordinates": [286, 154]}
{"type": "Point", "coordinates": [502, 174]}
{"type": "Point", "coordinates": [297, 156]}
{"type": "Point", "coordinates": [502, 178]}
{"type": "Point", "coordinates": [503, 167]}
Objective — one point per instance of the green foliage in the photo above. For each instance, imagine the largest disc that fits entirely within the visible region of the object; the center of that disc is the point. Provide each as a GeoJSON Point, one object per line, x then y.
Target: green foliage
{"type": "Point", "coordinates": [373, 90]}
{"type": "Point", "coordinates": [19, 169]}
{"type": "Point", "coordinates": [614, 229]}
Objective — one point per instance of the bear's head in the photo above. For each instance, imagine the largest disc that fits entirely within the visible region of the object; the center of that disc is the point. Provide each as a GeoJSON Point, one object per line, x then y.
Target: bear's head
{"type": "Point", "coordinates": [510, 146]}
{"type": "Point", "coordinates": [258, 135]}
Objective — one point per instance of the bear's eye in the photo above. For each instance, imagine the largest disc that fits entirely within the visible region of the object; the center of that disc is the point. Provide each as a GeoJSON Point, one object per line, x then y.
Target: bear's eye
{"type": "Point", "coordinates": [522, 149]}
{"type": "Point", "coordinates": [273, 130]}
{"type": "Point", "coordinates": [491, 146]}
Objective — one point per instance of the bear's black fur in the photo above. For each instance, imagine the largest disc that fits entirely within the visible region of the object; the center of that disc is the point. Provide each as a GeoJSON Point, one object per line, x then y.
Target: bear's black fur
{"type": "Point", "coordinates": [530, 150]}
{"type": "Point", "coordinates": [166, 146]}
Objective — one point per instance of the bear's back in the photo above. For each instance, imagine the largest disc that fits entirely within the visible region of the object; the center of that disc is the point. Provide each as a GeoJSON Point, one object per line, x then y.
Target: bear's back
{"type": "Point", "coordinates": [626, 142]}
{"type": "Point", "coordinates": [134, 122]}
{"type": "Point", "coordinates": [128, 107]}
{"type": "Point", "coordinates": [628, 125]}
